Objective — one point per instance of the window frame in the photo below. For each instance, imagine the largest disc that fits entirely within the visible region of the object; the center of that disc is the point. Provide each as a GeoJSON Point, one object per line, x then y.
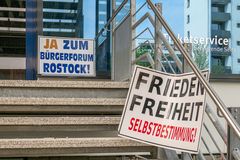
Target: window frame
{"type": "Point", "coordinates": [188, 19]}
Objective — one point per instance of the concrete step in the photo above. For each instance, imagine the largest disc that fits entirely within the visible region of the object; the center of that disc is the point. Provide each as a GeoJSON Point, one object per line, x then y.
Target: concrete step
{"type": "Point", "coordinates": [58, 126]}
{"type": "Point", "coordinates": [59, 121]}
{"type": "Point", "coordinates": [56, 106]}
{"type": "Point", "coordinates": [71, 146]}
{"type": "Point", "coordinates": [70, 118]}
{"type": "Point", "coordinates": [64, 89]}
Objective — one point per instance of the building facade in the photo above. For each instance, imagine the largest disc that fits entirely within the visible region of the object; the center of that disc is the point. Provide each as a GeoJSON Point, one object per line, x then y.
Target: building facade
{"type": "Point", "coordinates": [217, 23]}
{"type": "Point", "coordinates": [104, 9]}
{"type": "Point", "coordinates": [53, 18]}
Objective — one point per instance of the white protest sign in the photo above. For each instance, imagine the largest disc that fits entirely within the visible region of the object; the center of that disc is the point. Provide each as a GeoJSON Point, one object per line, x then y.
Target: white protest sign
{"type": "Point", "coordinates": [164, 110]}
{"type": "Point", "coordinates": [66, 57]}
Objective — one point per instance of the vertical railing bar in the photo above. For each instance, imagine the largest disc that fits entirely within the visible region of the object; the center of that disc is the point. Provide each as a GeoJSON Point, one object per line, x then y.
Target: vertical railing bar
{"type": "Point", "coordinates": [212, 138]}
{"type": "Point", "coordinates": [201, 156]}
{"type": "Point", "coordinates": [162, 66]}
{"type": "Point", "coordinates": [170, 65]}
{"type": "Point", "coordinates": [208, 149]}
{"type": "Point", "coordinates": [216, 123]}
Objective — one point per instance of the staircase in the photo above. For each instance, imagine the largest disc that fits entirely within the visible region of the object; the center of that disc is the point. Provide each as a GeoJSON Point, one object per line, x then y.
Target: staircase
{"type": "Point", "coordinates": [64, 118]}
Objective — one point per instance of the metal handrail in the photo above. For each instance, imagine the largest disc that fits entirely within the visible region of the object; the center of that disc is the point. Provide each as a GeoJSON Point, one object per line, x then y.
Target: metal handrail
{"type": "Point", "coordinates": [111, 19]}
{"type": "Point", "coordinates": [219, 103]}
{"type": "Point", "coordinates": [159, 50]}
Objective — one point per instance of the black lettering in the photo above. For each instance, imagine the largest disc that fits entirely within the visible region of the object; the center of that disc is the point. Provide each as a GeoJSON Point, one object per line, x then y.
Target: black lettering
{"type": "Point", "coordinates": [141, 80]}
{"type": "Point", "coordinates": [192, 86]}
{"type": "Point", "coordinates": [200, 88]}
{"type": "Point", "coordinates": [167, 87]}
{"type": "Point", "coordinates": [177, 111]}
{"type": "Point", "coordinates": [191, 115]}
{"type": "Point", "coordinates": [186, 111]}
{"type": "Point", "coordinates": [135, 102]}
{"type": "Point", "coordinates": [161, 108]}
{"type": "Point", "coordinates": [198, 104]}
{"type": "Point", "coordinates": [149, 103]}
{"type": "Point", "coordinates": [156, 83]}
{"type": "Point", "coordinates": [171, 93]}
{"type": "Point", "coordinates": [185, 84]}
{"type": "Point", "coordinates": [176, 87]}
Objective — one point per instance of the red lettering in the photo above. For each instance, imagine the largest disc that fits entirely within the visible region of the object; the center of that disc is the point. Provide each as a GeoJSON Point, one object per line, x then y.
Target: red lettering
{"type": "Point", "coordinates": [150, 128]}
{"type": "Point", "coordinates": [155, 125]}
{"type": "Point", "coordinates": [136, 125]}
{"type": "Point", "coordinates": [158, 130]}
{"type": "Point", "coordinates": [131, 124]}
{"type": "Point", "coordinates": [163, 130]}
{"type": "Point", "coordinates": [144, 130]}
{"type": "Point", "coordinates": [139, 127]}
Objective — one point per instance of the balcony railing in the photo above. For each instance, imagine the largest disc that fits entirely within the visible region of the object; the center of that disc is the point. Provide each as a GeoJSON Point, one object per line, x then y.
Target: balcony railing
{"type": "Point", "coordinates": [221, 33]}
{"type": "Point", "coordinates": [221, 52]}
{"type": "Point", "coordinates": [223, 2]}
{"type": "Point", "coordinates": [220, 16]}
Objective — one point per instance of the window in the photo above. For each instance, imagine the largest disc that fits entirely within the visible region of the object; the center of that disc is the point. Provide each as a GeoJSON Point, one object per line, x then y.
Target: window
{"type": "Point", "coordinates": [238, 7]}
{"type": "Point", "coordinates": [218, 8]}
{"type": "Point", "coordinates": [188, 19]}
{"type": "Point", "coordinates": [238, 25]}
{"type": "Point", "coordinates": [188, 34]}
{"type": "Point", "coordinates": [188, 3]}
{"type": "Point", "coordinates": [218, 26]}
{"type": "Point", "coordinates": [238, 60]}
{"type": "Point", "coordinates": [238, 43]}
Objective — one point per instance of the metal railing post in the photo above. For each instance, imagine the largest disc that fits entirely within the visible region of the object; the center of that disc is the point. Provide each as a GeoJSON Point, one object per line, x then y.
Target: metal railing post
{"type": "Point", "coordinates": [113, 40]}
{"type": "Point", "coordinates": [158, 42]}
{"type": "Point", "coordinates": [133, 21]}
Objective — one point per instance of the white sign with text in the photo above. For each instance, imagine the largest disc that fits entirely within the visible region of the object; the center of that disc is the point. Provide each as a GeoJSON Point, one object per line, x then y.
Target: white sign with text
{"type": "Point", "coordinates": [59, 56]}
{"type": "Point", "coordinates": [164, 110]}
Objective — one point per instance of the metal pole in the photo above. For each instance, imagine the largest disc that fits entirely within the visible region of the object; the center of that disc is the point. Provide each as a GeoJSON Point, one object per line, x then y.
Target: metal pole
{"type": "Point", "coordinates": [158, 42]}
{"type": "Point", "coordinates": [133, 21]}
{"type": "Point", "coordinates": [219, 103]}
{"type": "Point", "coordinates": [113, 42]}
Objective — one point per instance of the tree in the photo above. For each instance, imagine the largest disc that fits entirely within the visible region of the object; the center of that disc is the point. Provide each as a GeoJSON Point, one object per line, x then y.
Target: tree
{"type": "Point", "coordinates": [201, 56]}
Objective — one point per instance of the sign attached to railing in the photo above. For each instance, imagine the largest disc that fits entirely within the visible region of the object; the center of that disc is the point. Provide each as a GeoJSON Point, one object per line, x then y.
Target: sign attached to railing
{"type": "Point", "coordinates": [164, 110]}
{"type": "Point", "coordinates": [66, 57]}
